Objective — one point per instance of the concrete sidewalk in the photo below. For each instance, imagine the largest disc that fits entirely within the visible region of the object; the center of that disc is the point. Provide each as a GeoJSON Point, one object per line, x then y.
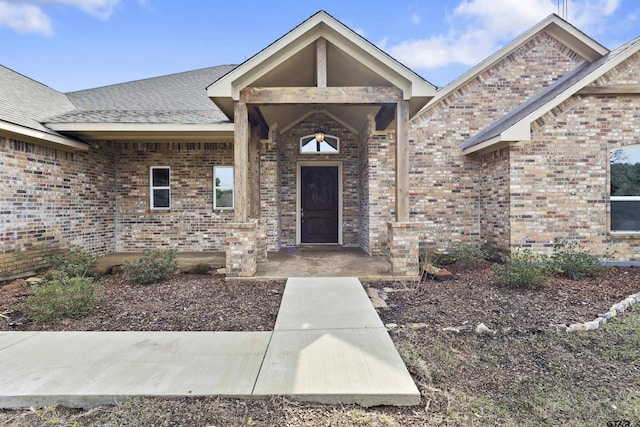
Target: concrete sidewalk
{"type": "Point", "coordinates": [328, 345]}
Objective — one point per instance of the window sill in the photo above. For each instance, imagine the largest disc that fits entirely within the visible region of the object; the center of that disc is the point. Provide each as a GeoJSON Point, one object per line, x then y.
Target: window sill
{"type": "Point", "coordinates": [622, 235]}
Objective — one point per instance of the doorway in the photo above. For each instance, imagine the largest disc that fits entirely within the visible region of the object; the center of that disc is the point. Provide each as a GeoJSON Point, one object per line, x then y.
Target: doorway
{"type": "Point", "coordinates": [319, 213]}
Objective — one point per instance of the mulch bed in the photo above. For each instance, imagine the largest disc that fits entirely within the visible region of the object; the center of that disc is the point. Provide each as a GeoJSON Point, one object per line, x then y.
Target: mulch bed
{"type": "Point", "coordinates": [472, 297]}
{"type": "Point", "coordinates": [186, 302]}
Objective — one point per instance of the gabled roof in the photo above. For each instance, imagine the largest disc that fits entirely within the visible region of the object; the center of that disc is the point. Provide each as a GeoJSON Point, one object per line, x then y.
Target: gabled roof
{"type": "Point", "coordinates": [516, 125]}
{"type": "Point", "coordinates": [281, 54]}
{"type": "Point", "coordinates": [555, 26]}
{"type": "Point", "coordinates": [25, 103]}
{"type": "Point", "coordinates": [153, 107]}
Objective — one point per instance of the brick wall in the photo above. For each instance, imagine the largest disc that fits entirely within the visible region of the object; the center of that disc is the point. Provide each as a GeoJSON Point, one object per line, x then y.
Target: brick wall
{"type": "Point", "coordinates": [446, 187]}
{"type": "Point", "coordinates": [52, 199]}
{"type": "Point", "coordinates": [192, 224]}
{"type": "Point", "coordinates": [560, 180]}
{"type": "Point", "coordinates": [289, 149]}
{"type": "Point", "coordinates": [494, 201]}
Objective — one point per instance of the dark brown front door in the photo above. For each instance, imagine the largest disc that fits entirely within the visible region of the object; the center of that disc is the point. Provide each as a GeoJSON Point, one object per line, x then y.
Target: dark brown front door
{"type": "Point", "coordinates": [319, 203]}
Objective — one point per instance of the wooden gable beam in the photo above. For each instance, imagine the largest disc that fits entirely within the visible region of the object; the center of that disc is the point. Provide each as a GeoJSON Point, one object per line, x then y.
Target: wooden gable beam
{"type": "Point", "coordinates": [321, 95]}
{"type": "Point", "coordinates": [321, 62]}
{"type": "Point", "coordinates": [385, 116]}
{"type": "Point", "coordinates": [402, 162]}
{"type": "Point", "coordinates": [257, 119]}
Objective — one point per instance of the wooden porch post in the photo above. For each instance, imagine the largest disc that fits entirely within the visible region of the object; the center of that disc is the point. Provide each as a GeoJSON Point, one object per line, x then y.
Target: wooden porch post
{"type": "Point", "coordinates": [254, 172]}
{"type": "Point", "coordinates": [240, 162]}
{"type": "Point", "coordinates": [402, 161]}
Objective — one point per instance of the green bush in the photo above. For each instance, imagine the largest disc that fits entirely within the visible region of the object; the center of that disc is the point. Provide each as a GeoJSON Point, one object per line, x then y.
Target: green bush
{"type": "Point", "coordinates": [572, 260]}
{"type": "Point", "coordinates": [521, 268]}
{"type": "Point", "coordinates": [155, 265]}
{"type": "Point", "coordinates": [62, 296]}
{"type": "Point", "coordinates": [74, 263]}
{"type": "Point", "coordinates": [201, 269]}
{"type": "Point", "coordinates": [468, 254]}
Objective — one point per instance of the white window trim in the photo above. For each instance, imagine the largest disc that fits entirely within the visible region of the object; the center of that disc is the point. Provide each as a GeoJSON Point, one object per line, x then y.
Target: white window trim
{"type": "Point", "coordinates": [320, 152]}
{"type": "Point", "coordinates": [232, 188]}
{"type": "Point", "coordinates": [152, 187]}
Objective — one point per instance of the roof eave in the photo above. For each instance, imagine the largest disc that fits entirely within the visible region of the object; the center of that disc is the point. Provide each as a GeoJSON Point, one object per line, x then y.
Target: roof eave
{"type": "Point", "coordinates": [41, 138]}
{"type": "Point", "coordinates": [214, 132]}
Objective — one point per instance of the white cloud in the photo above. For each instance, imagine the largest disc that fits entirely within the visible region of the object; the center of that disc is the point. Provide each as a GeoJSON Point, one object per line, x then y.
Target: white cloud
{"type": "Point", "coordinates": [415, 19]}
{"type": "Point", "coordinates": [29, 16]}
{"type": "Point", "coordinates": [477, 28]}
{"type": "Point", "coordinates": [24, 18]}
{"type": "Point", "coordinates": [102, 9]}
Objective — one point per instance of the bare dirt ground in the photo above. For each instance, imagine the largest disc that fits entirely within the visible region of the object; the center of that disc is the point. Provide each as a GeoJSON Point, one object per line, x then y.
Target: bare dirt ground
{"type": "Point", "coordinates": [523, 374]}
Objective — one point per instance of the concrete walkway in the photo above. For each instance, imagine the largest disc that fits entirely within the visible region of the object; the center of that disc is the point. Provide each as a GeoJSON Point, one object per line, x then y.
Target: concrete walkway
{"type": "Point", "coordinates": [328, 345]}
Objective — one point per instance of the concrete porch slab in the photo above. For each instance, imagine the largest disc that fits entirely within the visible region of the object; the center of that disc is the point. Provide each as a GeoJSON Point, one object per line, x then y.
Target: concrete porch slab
{"type": "Point", "coordinates": [90, 368]}
{"type": "Point", "coordinates": [338, 366]}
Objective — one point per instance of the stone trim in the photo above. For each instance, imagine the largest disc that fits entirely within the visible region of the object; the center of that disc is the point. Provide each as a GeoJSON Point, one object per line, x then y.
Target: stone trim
{"type": "Point", "coordinates": [404, 248]}
{"type": "Point", "coordinates": [241, 249]}
{"type": "Point", "coordinates": [615, 309]}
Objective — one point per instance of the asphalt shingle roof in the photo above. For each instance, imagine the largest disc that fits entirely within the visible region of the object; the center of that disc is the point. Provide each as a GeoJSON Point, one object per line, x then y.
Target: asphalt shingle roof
{"type": "Point", "coordinates": [26, 102]}
{"type": "Point", "coordinates": [174, 98]}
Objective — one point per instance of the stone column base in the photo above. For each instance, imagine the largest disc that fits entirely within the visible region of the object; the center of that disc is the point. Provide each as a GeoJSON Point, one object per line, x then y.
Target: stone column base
{"type": "Point", "coordinates": [261, 241]}
{"type": "Point", "coordinates": [241, 249]}
{"type": "Point", "coordinates": [404, 248]}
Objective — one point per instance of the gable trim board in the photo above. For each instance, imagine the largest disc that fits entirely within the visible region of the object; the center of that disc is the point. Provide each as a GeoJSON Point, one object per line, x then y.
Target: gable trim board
{"type": "Point", "coordinates": [511, 128]}
{"type": "Point", "coordinates": [555, 26]}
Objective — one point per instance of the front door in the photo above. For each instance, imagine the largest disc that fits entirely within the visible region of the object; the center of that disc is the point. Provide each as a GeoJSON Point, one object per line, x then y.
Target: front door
{"type": "Point", "coordinates": [319, 204]}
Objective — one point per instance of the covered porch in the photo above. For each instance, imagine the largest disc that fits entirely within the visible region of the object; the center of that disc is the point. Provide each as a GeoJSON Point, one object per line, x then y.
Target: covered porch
{"type": "Point", "coordinates": [321, 76]}
{"type": "Point", "coordinates": [304, 261]}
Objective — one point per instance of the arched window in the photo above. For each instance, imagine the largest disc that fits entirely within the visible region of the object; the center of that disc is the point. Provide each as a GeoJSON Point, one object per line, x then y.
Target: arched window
{"type": "Point", "coordinates": [625, 189]}
{"type": "Point", "coordinates": [329, 145]}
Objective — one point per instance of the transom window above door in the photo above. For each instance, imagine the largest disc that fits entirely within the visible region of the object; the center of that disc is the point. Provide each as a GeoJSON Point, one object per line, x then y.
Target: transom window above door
{"type": "Point", "coordinates": [328, 145]}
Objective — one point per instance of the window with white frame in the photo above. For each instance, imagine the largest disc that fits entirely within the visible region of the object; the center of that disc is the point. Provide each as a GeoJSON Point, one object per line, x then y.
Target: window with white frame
{"type": "Point", "coordinates": [160, 187]}
{"type": "Point", "coordinates": [223, 187]}
{"type": "Point", "coordinates": [328, 145]}
{"type": "Point", "coordinates": [625, 189]}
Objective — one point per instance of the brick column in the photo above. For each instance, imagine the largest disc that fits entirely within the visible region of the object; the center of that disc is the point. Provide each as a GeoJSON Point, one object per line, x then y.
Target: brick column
{"type": "Point", "coordinates": [404, 243]}
{"type": "Point", "coordinates": [241, 249]}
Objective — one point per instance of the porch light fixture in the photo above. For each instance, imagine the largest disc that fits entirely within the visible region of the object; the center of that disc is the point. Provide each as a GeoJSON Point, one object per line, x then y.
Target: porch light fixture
{"type": "Point", "coordinates": [319, 134]}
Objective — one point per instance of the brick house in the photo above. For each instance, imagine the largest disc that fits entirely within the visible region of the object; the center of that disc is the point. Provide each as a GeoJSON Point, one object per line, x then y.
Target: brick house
{"type": "Point", "coordinates": [515, 152]}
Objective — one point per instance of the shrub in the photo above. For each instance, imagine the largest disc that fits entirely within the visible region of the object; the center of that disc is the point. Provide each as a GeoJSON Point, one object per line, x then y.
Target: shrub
{"type": "Point", "coordinates": [74, 263]}
{"type": "Point", "coordinates": [153, 266]}
{"type": "Point", "coordinates": [201, 269]}
{"type": "Point", "coordinates": [62, 296]}
{"type": "Point", "coordinates": [469, 254]}
{"type": "Point", "coordinates": [521, 268]}
{"type": "Point", "coordinates": [572, 260]}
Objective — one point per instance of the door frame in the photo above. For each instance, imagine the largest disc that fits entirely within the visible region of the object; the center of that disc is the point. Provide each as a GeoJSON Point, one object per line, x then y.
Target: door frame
{"type": "Point", "coordinates": [299, 166]}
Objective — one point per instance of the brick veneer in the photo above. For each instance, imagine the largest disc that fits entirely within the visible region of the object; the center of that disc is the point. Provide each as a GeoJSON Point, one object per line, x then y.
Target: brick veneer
{"type": "Point", "coordinates": [289, 149]}
{"type": "Point", "coordinates": [192, 224]}
{"type": "Point", "coordinates": [560, 180]}
{"type": "Point", "coordinates": [403, 251]}
{"type": "Point", "coordinates": [241, 258]}
{"type": "Point", "coordinates": [449, 190]}
{"type": "Point", "coordinates": [53, 199]}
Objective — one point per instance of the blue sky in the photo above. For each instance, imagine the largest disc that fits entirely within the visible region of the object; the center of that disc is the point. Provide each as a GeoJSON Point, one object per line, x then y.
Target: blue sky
{"type": "Point", "coordinates": [79, 44]}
